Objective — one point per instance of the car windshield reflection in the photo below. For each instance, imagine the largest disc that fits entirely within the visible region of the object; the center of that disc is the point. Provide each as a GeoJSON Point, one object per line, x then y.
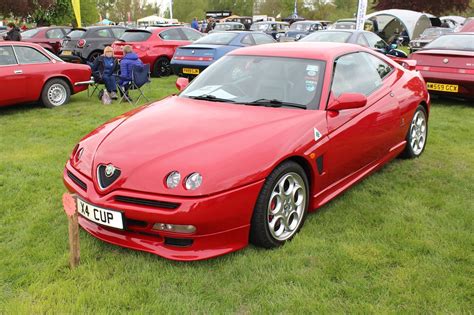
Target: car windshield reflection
{"type": "Point", "coordinates": [260, 81]}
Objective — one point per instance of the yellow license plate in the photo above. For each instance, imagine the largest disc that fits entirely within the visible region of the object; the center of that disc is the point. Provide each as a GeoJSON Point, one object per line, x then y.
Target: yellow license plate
{"type": "Point", "coordinates": [442, 87]}
{"type": "Point", "coordinates": [190, 71]}
{"type": "Point", "coordinates": [66, 53]}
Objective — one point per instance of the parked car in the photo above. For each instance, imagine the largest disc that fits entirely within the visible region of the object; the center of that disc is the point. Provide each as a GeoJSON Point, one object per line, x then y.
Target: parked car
{"type": "Point", "coordinates": [83, 45]}
{"type": "Point", "coordinates": [30, 73]}
{"type": "Point", "coordinates": [48, 37]}
{"type": "Point", "coordinates": [447, 64]}
{"type": "Point", "coordinates": [427, 36]}
{"type": "Point", "coordinates": [191, 60]}
{"type": "Point", "coordinates": [274, 29]}
{"type": "Point", "coordinates": [301, 29]}
{"type": "Point", "coordinates": [266, 135]}
{"type": "Point", "coordinates": [245, 20]}
{"type": "Point", "coordinates": [468, 25]}
{"type": "Point", "coordinates": [228, 26]}
{"type": "Point", "coordinates": [363, 38]}
{"type": "Point", "coordinates": [156, 46]}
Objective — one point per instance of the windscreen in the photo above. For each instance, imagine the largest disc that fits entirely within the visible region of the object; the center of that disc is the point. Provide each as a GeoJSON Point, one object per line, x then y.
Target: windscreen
{"type": "Point", "coordinates": [29, 33]}
{"type": "Point", "coordinates": [135, 36]}
{"type": "Point", "coordinates": [76, 34]}
{"type": "Point", "coordinates": [300, 26]}
{"type": "Point", "coordinates": [453, 42]}
{"type": "Point", "coordinates": [334, 37]}
{"type": "Point", "coordinates": [261, 81]}
{"type": "Point", "coordinates": [216, 39]}
{"type": "Point", "coordinates": [260, 27]}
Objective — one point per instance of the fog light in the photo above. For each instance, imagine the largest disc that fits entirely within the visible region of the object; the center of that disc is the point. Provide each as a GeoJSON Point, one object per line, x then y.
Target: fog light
{"type": "Point", "coordinates": [185, 229]}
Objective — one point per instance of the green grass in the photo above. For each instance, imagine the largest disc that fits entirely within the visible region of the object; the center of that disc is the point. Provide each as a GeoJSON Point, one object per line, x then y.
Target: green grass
{"type": "Point", "coordinates": [399, 242]}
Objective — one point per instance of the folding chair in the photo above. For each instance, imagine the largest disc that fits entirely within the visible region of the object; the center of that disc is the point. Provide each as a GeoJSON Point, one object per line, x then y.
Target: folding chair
{"type": "Point", "coordinates": [140, 77]}
{"type": "Point", "coordinates": [97, 77]}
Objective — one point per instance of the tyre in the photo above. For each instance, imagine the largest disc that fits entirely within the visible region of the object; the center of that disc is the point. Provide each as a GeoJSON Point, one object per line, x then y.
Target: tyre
{"type": "Point", "coordinates": [281, 207]}
{"type": "Point", "coordinates": [161, 68]}
{"type": "Point", "coordinates": [56, 92]}
{"type": "Point", "coordinates": [93, 56]}
{"type": "Point", "coordinates": [417, 134]}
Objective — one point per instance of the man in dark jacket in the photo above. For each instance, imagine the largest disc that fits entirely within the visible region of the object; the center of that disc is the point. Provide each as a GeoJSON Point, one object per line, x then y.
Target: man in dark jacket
{"type": "Point", "coordinates": [13, 33]}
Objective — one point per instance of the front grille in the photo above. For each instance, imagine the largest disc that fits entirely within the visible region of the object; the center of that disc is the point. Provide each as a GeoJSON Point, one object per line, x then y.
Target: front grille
{"type": "Point", "coordinates": [180, 242]}
{"type": "Point", "coordinates": [131, 222]}
{"type": "Point", "coordinates": [147, 202]}
{"type": "Point", "coordinates": [76, 180]}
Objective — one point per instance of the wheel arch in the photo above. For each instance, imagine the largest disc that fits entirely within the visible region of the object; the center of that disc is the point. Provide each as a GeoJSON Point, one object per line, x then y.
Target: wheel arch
{"type": "Point", "coordinates": [305, 164]}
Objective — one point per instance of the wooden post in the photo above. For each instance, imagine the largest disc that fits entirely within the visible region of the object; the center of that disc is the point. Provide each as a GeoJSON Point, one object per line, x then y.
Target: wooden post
{"type": "Point", "coordinates": [69, 203]}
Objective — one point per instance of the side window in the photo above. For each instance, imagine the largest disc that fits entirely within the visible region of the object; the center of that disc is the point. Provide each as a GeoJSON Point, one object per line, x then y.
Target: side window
{"type": "Point", "coordinates": [247, 40]}
{"type": "Point", "coordinates": [104, 33]}
{"type": "Point", "coordinates": [171, 34]}
{"type": "Point", "coordinates": [7, 57]}
{"type": "Point", "coordinates": [190, 34]}
{"type": "Point", "coordinates": [28, 55]}
{"type": "Point", "coordinates": [55, 33]}
{"type": "Point", "coordinates": [362, 41]}
{"type": "Point", "coordinates": [118, 32]}
{"type": "Point", "coordinates": [262, 39]}
{"type": "Point", "coordinates": [375, 41]}
{"type": "Point", "coordinates": [347, 76]}
{"type": "Point", "coordinates": [381, 66]}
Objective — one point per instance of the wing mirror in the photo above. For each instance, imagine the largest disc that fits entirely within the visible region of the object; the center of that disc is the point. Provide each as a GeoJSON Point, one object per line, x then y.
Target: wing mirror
{"type": "Point", "coordinates": [348, 101]}
{"type": "Point", "coordinates": [182, 83]}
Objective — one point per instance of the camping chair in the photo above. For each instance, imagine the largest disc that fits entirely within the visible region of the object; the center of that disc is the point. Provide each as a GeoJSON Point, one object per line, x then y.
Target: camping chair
{"type": "Point", "coordinates": [97, 76]}
{"type": "Point", "coordinates": [140, 77]}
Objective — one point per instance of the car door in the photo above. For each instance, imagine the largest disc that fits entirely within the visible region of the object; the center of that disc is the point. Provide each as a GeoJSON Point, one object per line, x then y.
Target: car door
{"type": "Point", "coordinates": [34, 65]}
{"type": "Point", "coordinates": [361, 136]}
{"type": "Point", "coordinates": [12, 79]}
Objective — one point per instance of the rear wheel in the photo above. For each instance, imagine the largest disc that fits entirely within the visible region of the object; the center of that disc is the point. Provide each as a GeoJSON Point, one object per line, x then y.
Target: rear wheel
{"type": "Point", "coordinates": [93, 56]}
{"type": "Point", "coordinates": [281, 207]}
{"type": "Point", "coordinates": [417, 134]}
{"type": "Point", "coordinates": [55, 93]}
{"type": "Point", "coordinates": [162, 68]}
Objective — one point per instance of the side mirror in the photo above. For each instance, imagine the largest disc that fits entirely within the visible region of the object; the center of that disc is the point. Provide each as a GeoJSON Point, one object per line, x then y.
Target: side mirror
{"type": "Point", "coordinates": [182, 83]}
{"type": "Point", "coordinates": [393, 46]}
{"type": "Point", "coordinates": [348, 101]}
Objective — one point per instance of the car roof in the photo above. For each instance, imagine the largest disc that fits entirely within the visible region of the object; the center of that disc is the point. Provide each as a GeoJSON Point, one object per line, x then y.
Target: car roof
{"type": "Point", "coordinates": [96, 27]}
{"type": "Point", "coordinates": [320, 50]}
{"type": "Point", "coordinates": [17, 43]}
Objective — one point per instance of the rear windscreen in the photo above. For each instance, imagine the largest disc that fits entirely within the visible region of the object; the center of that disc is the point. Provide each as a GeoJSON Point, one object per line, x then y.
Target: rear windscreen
{"type": "Point", "coordinates": [29, 33]}
{"type": "Point", "coordinates": [135, 36]}
{"type": "Point", "coordinates": [217, 39]}
{"type": "Point", "coordinates": [75, 34]}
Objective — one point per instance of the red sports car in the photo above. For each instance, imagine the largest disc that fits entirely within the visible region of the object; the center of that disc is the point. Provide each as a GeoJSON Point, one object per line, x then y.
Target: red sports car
{"type": "Point", "coordinates": [263, 136]}
{"type": "Point", "coordinates": [447, 65]}
{"type": "Point", "coordinates": [156, 46]}
{"type": "Point", "coordinates": [48, 37]}
{"type": "Point", "coordinates": [29, 73]}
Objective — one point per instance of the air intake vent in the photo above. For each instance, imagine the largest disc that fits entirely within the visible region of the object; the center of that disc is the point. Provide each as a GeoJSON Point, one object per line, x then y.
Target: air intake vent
{"type": "Point", "coordinates": [77, 181]}
{"type": "Point", "coordinates": [147, 202]}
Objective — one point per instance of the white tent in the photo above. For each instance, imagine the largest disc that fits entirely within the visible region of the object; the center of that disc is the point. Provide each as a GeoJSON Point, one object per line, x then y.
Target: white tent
{"type": "Point", "coordinates": [458, 20]}
{"type": "Point", "coordinates": [392, 21]}
{"type": "Point", "coordinates": [155, 19]}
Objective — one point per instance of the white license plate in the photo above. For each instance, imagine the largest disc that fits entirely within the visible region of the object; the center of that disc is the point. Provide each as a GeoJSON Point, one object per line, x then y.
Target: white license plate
{"type": "Point", "coordinates": [100, 215]}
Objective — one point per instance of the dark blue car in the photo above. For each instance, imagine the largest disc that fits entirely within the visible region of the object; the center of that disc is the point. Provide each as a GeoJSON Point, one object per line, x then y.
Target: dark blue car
{"type": "Point", "coordinates": [189, 61]}
{"type": "Point", "coordinates": [300, 29]}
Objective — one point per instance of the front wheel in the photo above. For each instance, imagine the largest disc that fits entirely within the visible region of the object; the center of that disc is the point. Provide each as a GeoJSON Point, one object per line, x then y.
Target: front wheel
{"type": "Point", "coordinates": [162, 68]}
{"type": "Point", "coordinates": [55, 93]}
{"type": "Point", "coordinates": [281, 207]}
{"type": "Point", "coordinates": [417, 134]}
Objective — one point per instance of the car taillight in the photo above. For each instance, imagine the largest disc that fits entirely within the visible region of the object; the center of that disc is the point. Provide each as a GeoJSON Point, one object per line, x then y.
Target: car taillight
{"type": "Point", "coordinates": [193, 58]}
{"type": "Point", "coordinates": [81, 43]}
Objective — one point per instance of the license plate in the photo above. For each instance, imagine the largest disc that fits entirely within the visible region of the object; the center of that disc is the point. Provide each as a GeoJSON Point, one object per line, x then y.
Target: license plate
{"type": "Point", "coordinates": [66, 53]}
{"type": "Point", "coordinates": [190, 71]}
{"type": "Point", "coordinates": [100, 215]}
{"type": "Point", "coordinates": [442, 87]}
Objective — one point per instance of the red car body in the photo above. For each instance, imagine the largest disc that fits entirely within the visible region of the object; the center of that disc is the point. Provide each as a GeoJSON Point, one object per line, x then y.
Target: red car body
{"type": "Point", "coordinates": [235, 148]}
{"type": "Point", "coordinates": [447, 71]}
{"type": "Point", "coordinates": [47, 37]}
{"type": "Point", "coordinates": [24, 83]}
{"type": "Point", "coordinates": [158, 49]}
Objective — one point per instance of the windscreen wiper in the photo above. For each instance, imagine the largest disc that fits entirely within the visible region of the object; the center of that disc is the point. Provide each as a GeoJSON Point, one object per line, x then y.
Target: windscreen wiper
{"type": "Point", "coordinates": [275, 103]}
{"type": "Point", "coordinates": [212, 98]}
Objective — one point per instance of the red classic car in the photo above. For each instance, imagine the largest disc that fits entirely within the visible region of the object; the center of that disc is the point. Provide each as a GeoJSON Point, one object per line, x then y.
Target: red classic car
{"type": "Point", "coordinates": [156, 46]}
{"type": "Point", "coordinates": [447, 65]}
{"type": "Point", "coordinates": [48, 37]}
{"type": "Point", "coordinates": [29, 73]}
{"type": "Point", "coordinates": [263, 136]}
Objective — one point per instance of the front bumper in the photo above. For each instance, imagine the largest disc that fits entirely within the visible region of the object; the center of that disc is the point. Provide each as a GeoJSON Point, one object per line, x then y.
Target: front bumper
{"type": "Point", "coordinates": [222, 221]}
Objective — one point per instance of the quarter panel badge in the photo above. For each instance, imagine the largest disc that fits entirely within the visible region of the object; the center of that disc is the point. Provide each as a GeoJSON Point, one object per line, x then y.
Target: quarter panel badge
{"type": "Point", "coordinates": [317, 134]}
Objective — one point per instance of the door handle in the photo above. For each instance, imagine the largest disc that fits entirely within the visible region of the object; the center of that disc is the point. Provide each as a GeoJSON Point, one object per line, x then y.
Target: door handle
{"type": "Point", "coordinates": [18, 71]}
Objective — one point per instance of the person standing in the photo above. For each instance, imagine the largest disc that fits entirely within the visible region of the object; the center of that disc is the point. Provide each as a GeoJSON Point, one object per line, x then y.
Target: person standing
{"type": "Point", "coordinates": [105, 67]}
{"type": "Point", "coordinates": [195, 24]}
{"type": "Point", "coordinates": [13, 33]}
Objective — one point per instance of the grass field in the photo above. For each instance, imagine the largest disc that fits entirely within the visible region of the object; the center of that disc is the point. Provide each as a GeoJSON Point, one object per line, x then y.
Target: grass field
{"type": "Point", "coordinates": [401, 241]}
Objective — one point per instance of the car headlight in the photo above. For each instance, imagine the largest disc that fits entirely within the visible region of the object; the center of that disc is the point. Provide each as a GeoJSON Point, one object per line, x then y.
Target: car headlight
{"type": "Point", "coordinates": [173, 179]}
{"type": "Point", "coordinates": [298, 37]}
{"type": "Point", "coordinates": [193, 181]}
